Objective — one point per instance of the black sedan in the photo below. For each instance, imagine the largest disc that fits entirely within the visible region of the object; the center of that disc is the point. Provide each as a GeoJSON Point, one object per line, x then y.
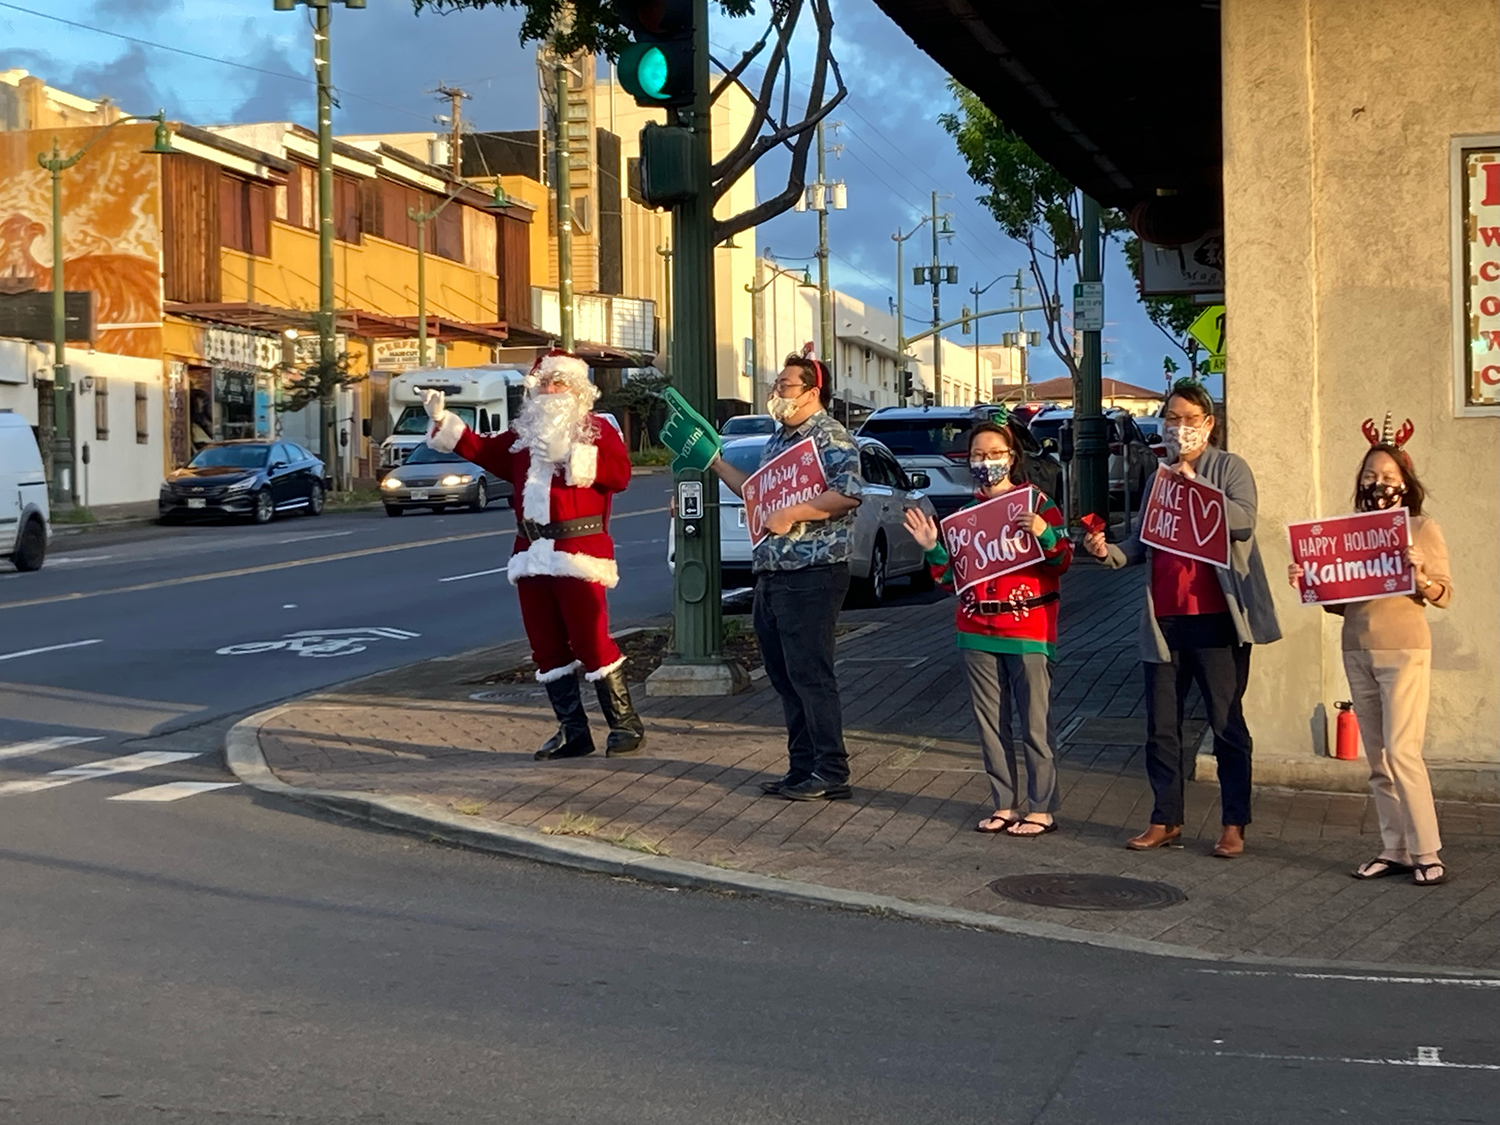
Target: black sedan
{"type": "Point", "coordinates": [430, 479]}
{"type": "Point", "coordinates": [257, 479]}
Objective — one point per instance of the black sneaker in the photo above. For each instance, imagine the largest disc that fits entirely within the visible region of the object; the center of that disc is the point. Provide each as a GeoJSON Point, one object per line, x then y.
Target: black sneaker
{"type": "Point", "coordinates": [816, 789]}
{"type": "Point", "coordinates": [774, 788]}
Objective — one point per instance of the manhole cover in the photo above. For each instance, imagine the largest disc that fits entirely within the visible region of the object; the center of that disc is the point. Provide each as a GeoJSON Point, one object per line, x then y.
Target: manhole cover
{"type": "Point", "coordinates": [1087, 892]}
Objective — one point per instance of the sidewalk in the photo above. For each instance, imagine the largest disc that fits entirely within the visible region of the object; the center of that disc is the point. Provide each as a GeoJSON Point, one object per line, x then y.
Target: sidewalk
{"type": "Point", "coordinates": [413, 747]}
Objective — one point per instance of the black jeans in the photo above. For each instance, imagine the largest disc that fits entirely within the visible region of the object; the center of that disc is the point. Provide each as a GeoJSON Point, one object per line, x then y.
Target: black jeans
{"type": "Point", "coordinates": [795, 612]}
{"type": "Point", "coordinates": [1206, 649]}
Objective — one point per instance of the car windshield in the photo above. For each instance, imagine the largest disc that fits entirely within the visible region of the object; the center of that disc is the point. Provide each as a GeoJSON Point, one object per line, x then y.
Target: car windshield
{"type": "Point", "coordinates": [749, 424]}
{"type": "Point", "coordinates": [424, 454]}
{"type": "Point", "coordinates": [906, 436]}
{"type": "Point", "coordinates": [414, 423]}
{"type": "Point", "coordinates": [232, 457]}
{"type": "Point", "coordinates": [744, 455]}
{"type": "Point", "coordinates": [1044, 428]}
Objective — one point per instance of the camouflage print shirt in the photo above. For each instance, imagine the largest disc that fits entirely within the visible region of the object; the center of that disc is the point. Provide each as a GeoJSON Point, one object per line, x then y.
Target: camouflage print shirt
{"type": "Point", "coordinates": [816, 542]}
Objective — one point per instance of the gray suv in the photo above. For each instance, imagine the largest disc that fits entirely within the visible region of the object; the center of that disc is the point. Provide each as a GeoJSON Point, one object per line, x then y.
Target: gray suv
{"type": "Point", "coordinates": [932, 440]}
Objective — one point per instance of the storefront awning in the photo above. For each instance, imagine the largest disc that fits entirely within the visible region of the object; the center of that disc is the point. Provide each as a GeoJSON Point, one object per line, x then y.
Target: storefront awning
{"type": "Point", "coordinates": [350, 322]}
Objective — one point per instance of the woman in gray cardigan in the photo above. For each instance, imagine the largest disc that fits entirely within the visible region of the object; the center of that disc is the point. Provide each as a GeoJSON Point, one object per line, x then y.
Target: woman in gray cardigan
{"type": "Point", "coordinates": [1198, 624]}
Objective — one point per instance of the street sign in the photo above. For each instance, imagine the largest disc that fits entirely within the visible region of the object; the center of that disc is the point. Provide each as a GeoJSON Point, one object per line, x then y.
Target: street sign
{"type": "Point", "coordinates": [1208, 329]}
{"type": "Point", "coordinates": [1088, 306]}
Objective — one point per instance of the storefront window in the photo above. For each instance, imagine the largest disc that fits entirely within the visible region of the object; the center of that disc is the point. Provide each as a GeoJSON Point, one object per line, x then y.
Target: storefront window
{"type": "Point", "coordinates": [1477, 261]}
{"type": "Point", "coordinates": [234, 404]}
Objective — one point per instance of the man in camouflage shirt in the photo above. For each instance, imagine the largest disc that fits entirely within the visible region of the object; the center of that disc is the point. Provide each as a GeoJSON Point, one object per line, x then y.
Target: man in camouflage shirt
{"type": "Point", "coordinates": [802, 575]}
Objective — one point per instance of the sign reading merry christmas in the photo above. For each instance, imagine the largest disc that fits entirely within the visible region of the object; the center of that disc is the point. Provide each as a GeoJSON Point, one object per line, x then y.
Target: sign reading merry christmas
{"type": "Point", "coordinates": [1353, 558]}
{"type": "Point", "coordinates": [792, 477]}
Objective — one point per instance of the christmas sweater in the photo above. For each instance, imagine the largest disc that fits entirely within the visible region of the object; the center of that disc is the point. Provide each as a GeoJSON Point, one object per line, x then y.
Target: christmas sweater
{"type": "Point", "coordinates": [1032, 629]}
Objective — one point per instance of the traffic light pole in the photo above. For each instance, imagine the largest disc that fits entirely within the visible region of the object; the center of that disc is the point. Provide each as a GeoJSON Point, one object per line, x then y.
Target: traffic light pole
{"type": "Point", "coordinates": [327, 346]}
{"type": "Point", "coordinates": [1092, 449]}
{"type": "Point", "coordinates": [564, 190]}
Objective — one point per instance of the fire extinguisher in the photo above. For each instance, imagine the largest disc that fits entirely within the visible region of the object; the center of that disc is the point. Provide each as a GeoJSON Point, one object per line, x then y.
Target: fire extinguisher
{"type": "Point", "coordinates": [1346, 742]}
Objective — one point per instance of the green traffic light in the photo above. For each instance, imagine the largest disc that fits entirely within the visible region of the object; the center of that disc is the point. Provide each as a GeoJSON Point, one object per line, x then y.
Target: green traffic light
{"type": "Point", "coordinates": [651, 72]}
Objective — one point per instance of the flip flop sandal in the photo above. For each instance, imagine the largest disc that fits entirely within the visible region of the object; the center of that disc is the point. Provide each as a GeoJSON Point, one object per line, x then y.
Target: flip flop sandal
{"type": "Point", "coordinates": [1425, 881]}
{"type": "Point", "coordinates": [1004, 823]}
{"type": "Point", "coordinates": [1392, 867]}
{"type": "Point", "coordinates": [1050, 826]}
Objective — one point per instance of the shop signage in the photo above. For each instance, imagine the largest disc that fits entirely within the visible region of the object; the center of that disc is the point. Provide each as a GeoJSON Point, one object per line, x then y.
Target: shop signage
{"type": "Point", "coordinates": [234, 347]}
{"type": "Point", "coordinates": [1186, 517]}
{"type": "Point", "coordinates": [793, 476]}
{"type": "Point", "coordinates": [403, 355]}
{"type": "Point", "coordinates": [1353, 558]}
{"type": "Point", "coordinates": [1193, 267]}
{"type": "Point", "coordinates": [983, 541]}
{"type": "Point", "coordinates": [307, 349]}
{"type": "Point", "coordinates": [1477, 302]}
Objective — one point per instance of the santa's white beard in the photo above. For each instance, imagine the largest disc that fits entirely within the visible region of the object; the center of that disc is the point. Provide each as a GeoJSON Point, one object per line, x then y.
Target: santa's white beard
{"type": "Point", "coordinates": [549, 425]}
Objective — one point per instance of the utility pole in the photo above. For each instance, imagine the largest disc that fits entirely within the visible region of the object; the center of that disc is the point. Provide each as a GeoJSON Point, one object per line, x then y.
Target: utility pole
{"type": "Point", "coordinates": [937, 318]}
{"type": "Point", "coordinates": [455, 98]}
{"type": "Point", "coordinates": [564, 189]}
{"type": "Point", "coordinates": [826, 196]}
{"type": "Point", "coordinates": [758, 328]}
{"type": "Point", "coordinates": [1092, 446]}
{"type": "Point", "coordinates": [901, 341]}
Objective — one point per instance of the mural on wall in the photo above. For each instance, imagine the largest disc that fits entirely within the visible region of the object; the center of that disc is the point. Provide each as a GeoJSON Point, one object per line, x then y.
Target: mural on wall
{"type": "Point", "coordinates": [111, 230]}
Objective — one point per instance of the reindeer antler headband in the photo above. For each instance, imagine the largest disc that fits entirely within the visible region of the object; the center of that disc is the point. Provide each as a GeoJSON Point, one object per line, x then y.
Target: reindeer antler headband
{"type": "Point", "coordinates": [1396, 439]}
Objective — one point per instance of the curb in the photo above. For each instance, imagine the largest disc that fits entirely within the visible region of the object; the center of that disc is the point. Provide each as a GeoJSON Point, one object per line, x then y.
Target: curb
{"type": "Point", "coordinates": [244, 758]}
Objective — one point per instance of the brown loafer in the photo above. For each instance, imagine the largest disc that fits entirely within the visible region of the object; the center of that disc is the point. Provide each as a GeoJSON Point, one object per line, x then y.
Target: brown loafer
{"type": "Point", "coordinates": [1231, 842]}
{"type": "Point", "coordinates": [1157, 836]}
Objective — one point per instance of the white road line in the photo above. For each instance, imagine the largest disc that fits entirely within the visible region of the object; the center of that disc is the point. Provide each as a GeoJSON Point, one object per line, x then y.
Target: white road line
{"type": "Point", "coordinates": [1468, 982]}
{"type": "Point", "coordinates": [476, 574]}
{"type": "Point", "coordinates": [78, 559]}
{"type": "Point", "coordinates": [41, 745]}
{"type": "Point", "coordinates": [173, 790]}
{"type": "Point", "coordinates": [310, 538]}
{"type": "Point", "coordinates": [1426, 1057]}
{"type": "Point", "coordinates": [129, 763]}
{"type": "Point", "coordinates": [49, 648]}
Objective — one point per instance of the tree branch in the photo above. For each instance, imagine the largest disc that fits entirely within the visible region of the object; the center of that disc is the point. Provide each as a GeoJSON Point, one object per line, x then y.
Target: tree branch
{"type": "Point", "coordinates": [767, 94]}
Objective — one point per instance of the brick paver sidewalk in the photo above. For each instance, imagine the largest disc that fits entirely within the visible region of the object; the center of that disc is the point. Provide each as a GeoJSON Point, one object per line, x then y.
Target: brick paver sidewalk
{"type": "Point", "coordinates": [909, 831]}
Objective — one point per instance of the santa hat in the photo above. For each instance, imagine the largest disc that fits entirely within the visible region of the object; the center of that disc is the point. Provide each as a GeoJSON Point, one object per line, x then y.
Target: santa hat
{"type": "Point", "coordinates": [564, 367]}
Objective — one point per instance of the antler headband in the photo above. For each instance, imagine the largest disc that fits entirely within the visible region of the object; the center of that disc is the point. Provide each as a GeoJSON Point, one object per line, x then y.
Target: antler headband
{"type": "Point", "coordinates": [1385, 435]}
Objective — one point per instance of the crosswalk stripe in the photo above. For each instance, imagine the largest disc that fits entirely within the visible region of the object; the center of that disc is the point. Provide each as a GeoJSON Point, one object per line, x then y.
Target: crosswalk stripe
{"type": "Point", "coordinates": [41, 745]}
{"type": "Point", "coordinates": [173, 790]}
{"type": "Point", "coordinates": [128, 763]}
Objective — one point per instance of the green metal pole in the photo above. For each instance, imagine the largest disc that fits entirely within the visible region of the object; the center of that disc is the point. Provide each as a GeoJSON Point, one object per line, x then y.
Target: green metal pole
{"type": "Point", "coordinates": [564, 188]}
{"type": "Point", "coordinates": [825, 294]}
{"type": "Point", "coordinates": [421, 289]}
{"type": "Point", "coordinates": [1092, 446]}
{"type": "Point", "coordinates": [326, 301]}
{"type": "Point", "coordinates": [62, 437]}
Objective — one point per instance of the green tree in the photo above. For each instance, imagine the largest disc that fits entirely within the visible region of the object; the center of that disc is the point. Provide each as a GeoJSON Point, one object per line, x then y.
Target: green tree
{"type": "Point", "coordinates": [638, 398]}
{"type": "Point", "coordinates": [588, 25]}
{"type": "Point", "coordinates": [319, 382]}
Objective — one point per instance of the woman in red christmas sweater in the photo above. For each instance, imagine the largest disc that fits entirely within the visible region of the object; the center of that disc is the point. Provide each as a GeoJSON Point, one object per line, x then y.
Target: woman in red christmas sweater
{"type": "Point", "coordinates": [1007, 632]}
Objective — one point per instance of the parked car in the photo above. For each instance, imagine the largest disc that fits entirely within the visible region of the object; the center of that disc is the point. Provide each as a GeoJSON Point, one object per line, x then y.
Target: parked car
{"type": "Point", "coordinates": [1151, 429]}
{"type": "Point", "coordinates": [880, 547]}
{"type": "Point", "coordinates": [258, 479]}
{"type": "Point", "coordinates": [742, 424]}
{"type": "Point", "coordinates": [931, 440]}
{"type": "Point", "coordinates": [25, 518]}
{"type": "Point", "coordinates": [1130, 455]}
{"type": "Point", "coordinates": [436, 480]}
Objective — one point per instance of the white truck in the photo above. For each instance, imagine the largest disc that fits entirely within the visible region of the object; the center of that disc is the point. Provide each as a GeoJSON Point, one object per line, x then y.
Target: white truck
{"type": "Point", "coordinates": [486, 398]}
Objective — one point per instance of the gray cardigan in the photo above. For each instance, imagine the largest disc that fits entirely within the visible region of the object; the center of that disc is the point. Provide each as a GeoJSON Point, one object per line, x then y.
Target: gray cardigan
{"type": "Point", "coordinates": [1246, 591]}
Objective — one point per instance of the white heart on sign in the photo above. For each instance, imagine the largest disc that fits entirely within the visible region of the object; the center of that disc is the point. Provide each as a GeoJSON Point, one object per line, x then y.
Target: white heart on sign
{"type": "Point", "coordinates": [961, 565]}
{"type": "Point", "coordinates": [1206, 516]}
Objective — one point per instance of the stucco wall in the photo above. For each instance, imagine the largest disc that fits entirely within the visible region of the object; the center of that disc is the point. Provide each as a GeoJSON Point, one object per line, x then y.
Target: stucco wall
{"type": "Point", "coordinates": [1337, 120]}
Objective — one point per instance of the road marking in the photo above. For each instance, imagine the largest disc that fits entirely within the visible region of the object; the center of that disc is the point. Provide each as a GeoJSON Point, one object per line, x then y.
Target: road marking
{"type": "Point", "coordinates": [129, 763]}
{"type": "Point", "coordinates": [266, 568]}
{"type": "Point", "coordinates": [475, 574]}
{"type": "Point", "coordinates": [320, 535]}
{"type": "Point", "coordinates": [42, 745]}
{"type": "Point", "coordinates": [173, 790]}
{"type": "Point", "coordinates": [78, 559]}
{"type": "Point", "coordinates": [1426, 1057]}
{"type": "Point", "coordinates": [1468, 982]}
{"type": "Point", "coordinates": [50, 648]}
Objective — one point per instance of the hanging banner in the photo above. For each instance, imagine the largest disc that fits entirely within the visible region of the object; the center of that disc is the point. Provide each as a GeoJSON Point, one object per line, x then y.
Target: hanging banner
{"type": "Point", "coordinates": [793, 476]}
{"type": "Point", "coordinates": [983, 542]}
{"type": "Point", "coordinates": [1353, 558]}
{"type": "Point", "coordinates": [1186, 517]}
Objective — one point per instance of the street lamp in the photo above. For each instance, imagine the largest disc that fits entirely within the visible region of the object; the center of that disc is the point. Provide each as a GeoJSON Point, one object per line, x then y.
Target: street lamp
{"type": "Point", "coordinates": [805, 282]}
{"type": "Point", "coordinates": [64, 488]}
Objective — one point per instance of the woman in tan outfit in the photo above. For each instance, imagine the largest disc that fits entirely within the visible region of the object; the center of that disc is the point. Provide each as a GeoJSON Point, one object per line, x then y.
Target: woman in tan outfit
{"type": "Point", "coordinates": [1388, 659]}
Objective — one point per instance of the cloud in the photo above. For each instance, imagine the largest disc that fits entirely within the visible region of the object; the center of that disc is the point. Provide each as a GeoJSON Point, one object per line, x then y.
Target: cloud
{"type": "Point", "coordinates": [269, 98]}
{"type": "Point", "coordinates": [128, 80]}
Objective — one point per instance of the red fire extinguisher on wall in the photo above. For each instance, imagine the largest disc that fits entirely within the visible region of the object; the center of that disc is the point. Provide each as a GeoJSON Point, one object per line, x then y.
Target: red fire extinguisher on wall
{"type": "Point", "coordinates": [1346, 740]}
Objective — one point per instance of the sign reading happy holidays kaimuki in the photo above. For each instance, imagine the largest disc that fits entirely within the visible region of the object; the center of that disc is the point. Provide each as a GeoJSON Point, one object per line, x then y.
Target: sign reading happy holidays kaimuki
{"type": "Point", "coordinates": [1353, 558]}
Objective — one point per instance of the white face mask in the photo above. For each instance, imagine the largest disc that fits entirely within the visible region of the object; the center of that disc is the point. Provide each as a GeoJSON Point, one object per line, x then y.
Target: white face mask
{"type": "Point", "coordinates": [1184, 441]}
{"type": "Point", "coordinates": [781, 408]}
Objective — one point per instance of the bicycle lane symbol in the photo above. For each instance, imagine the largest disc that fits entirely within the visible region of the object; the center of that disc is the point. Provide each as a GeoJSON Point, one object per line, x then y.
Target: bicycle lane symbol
{"type": "Point", "coordinates": [321, 643]}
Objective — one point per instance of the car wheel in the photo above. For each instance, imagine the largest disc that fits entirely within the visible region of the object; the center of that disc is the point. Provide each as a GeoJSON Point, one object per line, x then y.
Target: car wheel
{"type": "Point", "coordinates": [31, 546]}
{"type": "Point", "coordinates": [315, 500]}
{"type": "Point", "coordinates": [481, 498]}
{"type": "Point", "coordinates": [393, 509]}
{"type": "Point", "coordinates": [871, 590]}
{"type": "Point", "coordinates": [262, 508]}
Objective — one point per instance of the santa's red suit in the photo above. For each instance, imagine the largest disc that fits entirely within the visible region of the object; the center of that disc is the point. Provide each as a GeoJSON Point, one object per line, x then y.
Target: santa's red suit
{"type": "Point", "coordinates": [564, 557]}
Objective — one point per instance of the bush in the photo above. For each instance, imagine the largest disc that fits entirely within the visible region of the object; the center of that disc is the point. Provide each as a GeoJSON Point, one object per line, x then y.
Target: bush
{"type": "Point", "coordinates": [651, 455]}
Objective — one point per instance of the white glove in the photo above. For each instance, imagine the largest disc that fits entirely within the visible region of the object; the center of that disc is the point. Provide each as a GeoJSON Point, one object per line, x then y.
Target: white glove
{"type": "Point", "coordinates": [432, 402]}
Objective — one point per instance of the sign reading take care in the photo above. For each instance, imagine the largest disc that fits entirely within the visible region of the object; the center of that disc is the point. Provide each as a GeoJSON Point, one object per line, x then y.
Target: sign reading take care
{"type": "Point", "coordinates": [1186, 517]}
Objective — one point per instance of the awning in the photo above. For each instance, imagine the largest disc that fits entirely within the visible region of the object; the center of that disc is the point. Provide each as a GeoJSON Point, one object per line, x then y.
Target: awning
{"type": "Point", "coordinates": [350, 322]}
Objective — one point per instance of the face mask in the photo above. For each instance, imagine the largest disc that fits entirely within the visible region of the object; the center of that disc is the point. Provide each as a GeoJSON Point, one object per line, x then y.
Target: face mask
{"type": "Point", "coordinates": [1184, 441]}
{"type": "Point", "coordinates": [990, 472]}
{"type": "Point", "coordinates": [781, 408]}
{"type": "Point", "coordinates": [1377, 495]}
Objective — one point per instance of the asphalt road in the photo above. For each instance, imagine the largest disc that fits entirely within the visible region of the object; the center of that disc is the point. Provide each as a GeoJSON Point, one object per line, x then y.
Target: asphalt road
{"type": "Point", "coordinates": [176, 949]}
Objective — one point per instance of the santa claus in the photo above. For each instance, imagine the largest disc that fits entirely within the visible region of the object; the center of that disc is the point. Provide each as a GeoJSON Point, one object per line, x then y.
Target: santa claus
{"type": "Point", "coordinates": [564, 464]}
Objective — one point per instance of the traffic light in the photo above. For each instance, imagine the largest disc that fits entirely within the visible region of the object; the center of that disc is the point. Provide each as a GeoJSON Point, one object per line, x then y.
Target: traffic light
{"type": "Point", "coordinates": [656, 69]}
{"type": "Point", "coordinates": [967, 322]}
{"type": "Point", "coordinates": [906, 384]}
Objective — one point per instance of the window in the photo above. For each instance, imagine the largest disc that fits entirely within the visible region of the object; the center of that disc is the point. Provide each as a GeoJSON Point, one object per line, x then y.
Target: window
{"type": "Point", "coordinates": [345, 209]}
{"type": "Point", "coordinates": [245, 215]}
{"type": "Point", "coordinates": [142, 416]}
{"type": "Point", "coordinates": [297, 203]}
{"type": "Point", "coordinates": [101, 408]}
{"type": "Point", "coordinates": [484, 420]}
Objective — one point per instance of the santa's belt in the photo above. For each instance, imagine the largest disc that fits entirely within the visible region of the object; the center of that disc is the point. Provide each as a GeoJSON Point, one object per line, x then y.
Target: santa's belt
{"type": "Point", "coordinates": [562, 529]}
{"type": "Point", "coordinates": [990, 609]}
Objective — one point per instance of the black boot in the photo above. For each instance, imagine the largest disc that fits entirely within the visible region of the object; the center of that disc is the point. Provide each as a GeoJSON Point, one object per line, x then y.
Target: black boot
{"type": "Point", "coordinates": [572, 739]}
{"type": "Point", "coordinates": [627, 733]}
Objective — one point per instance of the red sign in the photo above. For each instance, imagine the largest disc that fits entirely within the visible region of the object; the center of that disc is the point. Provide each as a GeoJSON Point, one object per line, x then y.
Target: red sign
{"type": "Point", "coordinates": [983, 542]}
{"type": "Point", "coordinates": [1353, 558]}
{"type": "Point", "coordinates": [1186, 517]}
{"type": "Point", "coordinates": [793, 476]}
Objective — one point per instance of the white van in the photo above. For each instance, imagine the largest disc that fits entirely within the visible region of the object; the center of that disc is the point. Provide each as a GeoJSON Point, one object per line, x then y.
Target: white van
{"type": "Point", "coordinates": [25, 521]}
{"type": "Point", "coordinates": [486, 398]}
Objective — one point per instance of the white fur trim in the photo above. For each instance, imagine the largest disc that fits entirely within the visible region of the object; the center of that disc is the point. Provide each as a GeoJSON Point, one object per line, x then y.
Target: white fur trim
{"type": "Point", "coordinates": [557, 673]}
{"type": "Point", "coordinates": [445, 434]}
{"type": "Point", "coordinates": [568, 366]}
{"type": "Point", "coordinates": [600, 673]}
{"type": "Point", "coordinates": [544, 560]}
{"type": "Point", "coordinates": [583, 465]}
{"type": "Point", "coordinates": [536, 496]}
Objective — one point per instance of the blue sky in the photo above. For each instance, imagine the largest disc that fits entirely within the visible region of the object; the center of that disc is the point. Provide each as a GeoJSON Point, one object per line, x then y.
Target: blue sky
{"type": "Point", "coordinates": [386, 60]}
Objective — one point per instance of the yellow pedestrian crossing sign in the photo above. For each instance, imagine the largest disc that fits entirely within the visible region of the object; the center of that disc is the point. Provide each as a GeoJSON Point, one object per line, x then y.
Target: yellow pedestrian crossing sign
{"type": "Point", "coordinates": [1208, 329]}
